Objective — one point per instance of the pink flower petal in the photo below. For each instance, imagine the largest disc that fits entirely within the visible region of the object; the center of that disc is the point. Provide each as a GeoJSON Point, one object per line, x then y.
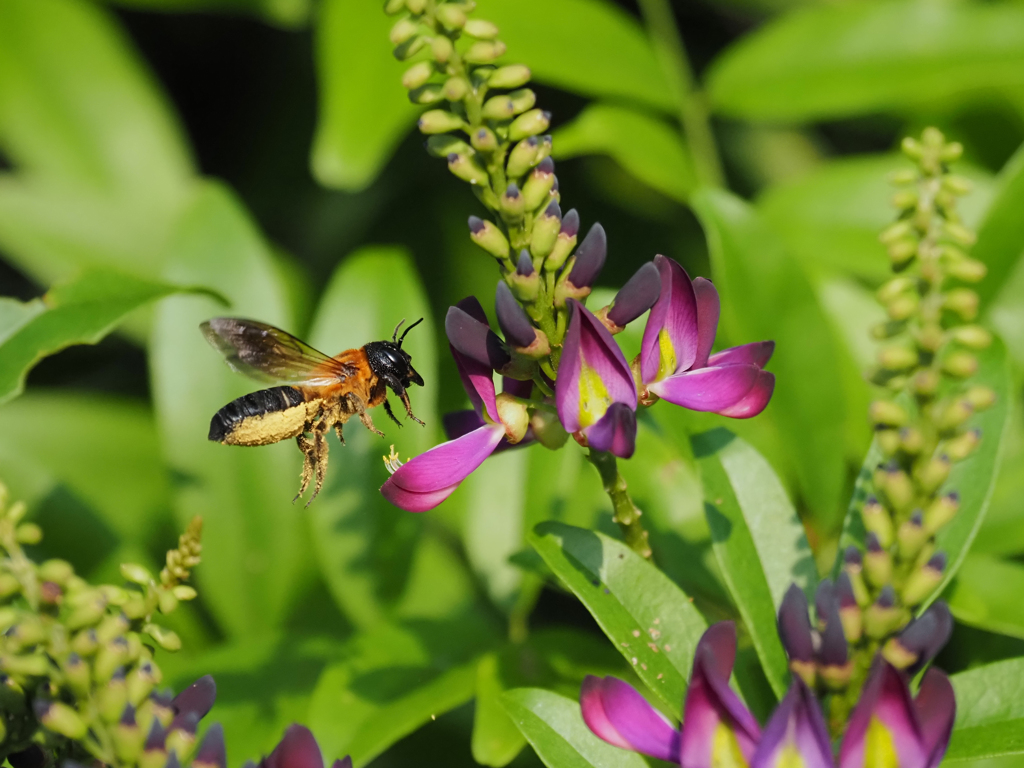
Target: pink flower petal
{"type": "Point", "coordinates": [615, 432]}
{"type": "Point", "coordinates": [756, 400]}
{"type": "Point", "coordinates": [708, 389]}
{"type": "Point", "coordinates": [447, 464]}
{"type": "Point", "coordinates": [616, 712]}
{"type": "Point", "coordinates": [885, 697]}
{"type": "Point", "coordinates": [675, 311]}
{"type": "Point", "coordinates": [936, 710]}
{"type": "Point", "coordinates": [411, 501]}
{"type": "Point", "coordinates": [757, 353]}
{"type": "Point", "coordinates": [708, 309]}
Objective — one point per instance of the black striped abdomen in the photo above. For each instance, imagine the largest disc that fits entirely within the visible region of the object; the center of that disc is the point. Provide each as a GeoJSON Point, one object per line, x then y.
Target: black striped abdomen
{"type": "Point", "coordinates": [260, 418]}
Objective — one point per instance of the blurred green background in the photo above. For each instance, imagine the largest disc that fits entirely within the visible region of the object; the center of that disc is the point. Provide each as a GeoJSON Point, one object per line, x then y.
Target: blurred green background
{"type": "Point", "coordinates": [265, 149]}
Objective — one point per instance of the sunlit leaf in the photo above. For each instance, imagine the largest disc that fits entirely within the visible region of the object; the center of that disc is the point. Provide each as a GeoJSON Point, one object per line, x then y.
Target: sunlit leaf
{"type": "Point", "coordinates": [841, 60]}
{"type": "Point", "coordinates": [643, 144]}
{"type": "Point", "coordinates": [1001, 233]}
{"type": "Point", "coordinates": [649, 619]}
{"type": "Point", "coordinates": [989, 711]}
{"type": "Point", "coordinates": [986, 593]}
{"type": "Point", "coordinates": [496, 740]}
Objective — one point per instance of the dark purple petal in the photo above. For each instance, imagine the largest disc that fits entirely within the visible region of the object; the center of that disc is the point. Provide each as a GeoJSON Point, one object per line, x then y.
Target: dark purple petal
{"type": "Point", "coordinates": [196, 700]}
{"type": "Point", "coordinates": [709, 307]}
{"type": "Point", "coordinates": [590, 256]}
{"type": "Point", "coordinates": [478, 381]}
{"type": "Point", "coordinates": [475, 339]}
{"type": "Point", "coordinates": [459, 423]}
{"type": "Point", "coordinates": [797, 724]}
{"type": "Point", "coordinates": [428, 479]}
{"type": "Point", "coordinates": [675, 314]}
{"type": "Point", "coordinates": [885, 698]}
{"type": "Point", "coordinates": [795, 625]}
{"type": "Point", "coordinates": [756, 353]}
{"type": "Point", "coordinates": [297, 749]}
{"type": "Point", "coordinates": [571, 223]}
{"type": "Point", "coordinates": [157, 736]}
{"type": "Point", "coordinates": [516, 387]}
{"type": "Point", "coordinates": [524, 267]}
{"type": "Point", "coordinates": [211, 750]}
{"type": "Point", "coordinates": [587, 342]}
{"type": "Point", "coordinates": [615, 432]}
{"type": "Point", "coordinates": [512, 318]}
{"type": "Point", "coordinates": [345, 762]}
{"type": "Point", "coordinates": [936, 711]}
{"type": "Point", "coordinates": [708, 389]}
{"type": "Point", "coordinates": [927, 634]}
{"type": "Point", "coordinates": [636, 296]}
{"type": "Point", "coordinates": [617, 713]}
{"type": "Point", "coordinates": [834, 650]}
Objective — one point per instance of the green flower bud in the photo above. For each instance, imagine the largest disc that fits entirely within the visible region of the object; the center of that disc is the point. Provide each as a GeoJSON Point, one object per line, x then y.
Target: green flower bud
{"type": "Point", "coordinates": [109, 657]}
{"type": "Point", "coordinates": [444, 144]}
{"type": "Point", "coordinates": [455, 88]}
{"type": "Point", "coordinates": [912, 148]}
{"type": "Point", "coordinates": [9, 586]}
{"type": "Point", "coordinates": [545, 231]}
{"type": "Point", "coordinates": [888, 440]}
{"type": "Point", "coordinates": [933, 473]}
{"type": "Point", "coordinates": [878, 567]}
{"type": "Point", "coordinates": [32, 665]}
{"type": "Point", "coordinates": [940, 512]}
{"type": "Point", "coordinates": [85, 643]}
{"type": "Point", "coordinates": [958, 233]}
{"type": "Point", "coordinates": [912, 536]}
{"type": "Point", "coordinates": [968, 270]}
{"type": "Point", "coordinates": [180, 741]}
{"type": "Point", "coordinates": [926, 382]}
{"type": "Point", "coordinates": [980, 397]}
{"type": "Point", "coordinates": [87, 615]}
{"type": "Point", "coordinates": [112, 698]}
{"type": "Point", "coordinates": [896, 485]}
{"type": "Point", "coordinates": [484, 140]}
{"type": "Point", "coordinates": [951, 152]}
{"type": "Point", "coordinates": [953, 414]}
{"type": "Point", "coordinates": [898, 231]}
{"type": "Point", "coordinates": [439, 121]}
{"type": "Point", "coordinates": [409, 48]}
{"type": "Point", "coordinates": [523, 157]}
{"type": "Point", "coordinates": [529, 124]}
{"type": "Point", "coordinates": [854, 568]}
{"type": "Point", "coordinates": [549, 430]}
{"type": "Point", "coordinates": [28, 533]}
{"type": "Point", "coordinates": [484, 52]}
{"type": "Point", "coordinates": [136, 574]}
{"type": "Point", "coordinates": [958, 185]}
{"type": "Point", "coordinates": [431, 93]}
{"type": "Point", "coordinates": [184, 592]}
{"type": "Point", "coordinates": [468, 168]}
{"type": "Point", "coordinates": [481, 29]}
{"type": "Point", "coordinates": [451, 16]}
{"type": "Point", "coordinates": [165, 638]}
{"type": "Point", "coordinates": [905, 199]}
{"type": "Point", "coordinates": [894, 288]}
{"type": "Point", "coordinates": [141, 681]}
{"type": "Point", "coordinates": [391, 7]}
{"type": "Point", "coordinates": [8, 618]}
{"type": "Point", "coordinates": [511, 203]}
{"type": "Point", "coordinates": [538, 185]}
{"type": "Point", "coordinates": [78, 675]}
{"type": "Point", "coordinates": [168, 602]}
{"type": "Point", "coordinates": [60, 718]}
{"type": "Point", "coordinates": [930, 337]}
{"type": "Point", "coordinates": [522, 100]}
{"type": "Point", "coordinates": [903, 307]}
{"type": "Point", "coordinates": [902, 251]}
{"type": "Point", "coordinates": [897, 358]}
{"type": "Point", "coordinates": [417, 74]}
{"type": "Point", "coordinates": [962, 446]}
{"type": "Point", "coordinates": [403, 31]}
{"type": "Point", "coordinates": [564, 243]}
{"type": "Point", "coordinates": [441, 48]}
{"type": "Point", "coordinates": [512, 76]}
{"type": "Point", "coordinates": [112, 627]}
{"type": "Point", "coordinates": [911, 440]}
{"type": "Point", "coordinates": [903, 177]}
{"type": "Point", "coordinates": [524, 281]}
{"type": "Point", "coordinates": [973, 336]}
{"type": "Point", "coordinates": [128, 738]}
{"type": "Point", "coordinates": [485, 234]}
{"type": "Point", "coordinates": [887, 413]}
{"type": "Point", "coordinates": [498, 108]}
{"type": "Point", "coordinates": [416, 7]}
{"type": "Point", "coordinates": [514, 416]}
{"type": "Point", "coordinates": [136, 607]}
{"type": "Point", "coordinates": [960, 364]}
{"type": "Point", "coordinates": [923, 581]}
{"type": "Point", "coordinates": [877, 521]}
{"type": "Point", "coordinates": [881, 618]}
{"type": "Point", "coordinates": [57, 571]}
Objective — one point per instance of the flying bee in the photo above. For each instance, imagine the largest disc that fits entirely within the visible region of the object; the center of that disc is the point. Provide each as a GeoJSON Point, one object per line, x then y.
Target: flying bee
{"type": "Point", "coordinates": [315, 394]}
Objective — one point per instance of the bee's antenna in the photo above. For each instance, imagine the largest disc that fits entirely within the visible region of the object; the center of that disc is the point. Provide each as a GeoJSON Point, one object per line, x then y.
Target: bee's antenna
{"type": "Point", "coordinates": [394, 336]}
{"type": "Point", "coordinates": [406, 333]}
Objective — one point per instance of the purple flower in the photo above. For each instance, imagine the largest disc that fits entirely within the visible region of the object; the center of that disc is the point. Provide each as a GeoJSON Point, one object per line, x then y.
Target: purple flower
{"type": "Point", "coordinates": [886, 720]}
{"type": "Point", "coordinates": [428, 479]}
{"type": "Point", "coordinates": [595, 393]}
{"type": "Point", "coordinates": [796, 728]}
{"type": "Point", "coordinates": [676, 363]}
{"type": "Point", "coordinates": [298, 749]}
{"type": "Point", "coordinates": [714, 718]}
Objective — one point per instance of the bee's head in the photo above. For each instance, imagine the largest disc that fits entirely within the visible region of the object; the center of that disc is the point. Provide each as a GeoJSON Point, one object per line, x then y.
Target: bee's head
{"type": "Point", "coordinates": [392, 363]}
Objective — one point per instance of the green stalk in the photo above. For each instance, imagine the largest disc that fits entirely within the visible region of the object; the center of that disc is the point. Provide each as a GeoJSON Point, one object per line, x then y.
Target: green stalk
{"type": "Point", "coordinates": [624, 511]}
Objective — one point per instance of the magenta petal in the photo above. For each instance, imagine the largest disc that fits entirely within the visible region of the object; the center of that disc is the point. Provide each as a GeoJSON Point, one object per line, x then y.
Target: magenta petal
{"type": "Point", "coordinates": [757, 353]}
{"type": "Point", "coordinates": [441, 468]}
{"type": "Point", "coordinates": [616, 712]}
{"type": "Point", "coordinates": [412, 501]}
{"type": "Point", "coordinates": [755, 401]}
{"type": "Point", "coordinates": [798, 723]}
{"type": "Point", "coordinates": [885, 696]}
{"type": "Point", "coordinates": [478, 381]}
{"type": "Point", "coordinates": [676, 312]}
{"type": "Point", "coordinates": [708, 389]}
{"type": "Point", "coordinates": [708, 309]}
{"type": "Point", "coordinates": [297, 749]}
{"type": "Point", "coordinates": [936, 711]}
{"type": "Point", "coordinates": [615, 432]}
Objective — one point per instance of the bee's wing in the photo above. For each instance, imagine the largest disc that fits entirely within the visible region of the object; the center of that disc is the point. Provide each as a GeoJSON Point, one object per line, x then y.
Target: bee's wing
{"type": "Point", "coordinates": [269, 354]}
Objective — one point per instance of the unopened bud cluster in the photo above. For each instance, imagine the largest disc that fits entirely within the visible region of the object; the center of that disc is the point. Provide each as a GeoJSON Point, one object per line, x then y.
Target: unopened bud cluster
{"type": "Point", "coordinates": [77, 669]}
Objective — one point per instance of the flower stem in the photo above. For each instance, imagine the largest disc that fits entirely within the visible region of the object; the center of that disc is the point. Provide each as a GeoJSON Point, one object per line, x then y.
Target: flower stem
{"type": "Point", "coordinates": [625, 512]}
{"type": "Point", "coordinates": [693, 109]}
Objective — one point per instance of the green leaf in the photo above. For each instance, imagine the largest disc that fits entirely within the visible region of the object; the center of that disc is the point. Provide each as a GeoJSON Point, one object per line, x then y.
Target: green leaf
{"type": "Point", "coordinates": [989, 711]}
{"type": "Point", "coordinates": [362, 543]}
{"type": "Point", "coordinates": [589, 47]}
{"type": "Point", "coordinates": [649, 619]}
{"type": "Point", "coordinates": [554, 727]}
{"type": "Point", "coordinates": [364, 111]}
{"type": "Point", "coordinates": [1001, 233]}
{"type": "Point", "coordinates": [986, 593]}
{"type": "Point", "coordinates": [840, 60]}
{"type": "Point", "coordinates": [645, 145]}
{"type": "Point", "coordinates": [394, 679]}
{"type": "Point", "coordinates": [286, 13]}
{"type": "Point", "coordinates": [1001, 532]}
{"type": "Point", "coordinates": [758, 539]}
{"type": "Point", "coordinates": [974, 478]}
{"type": "Point", "coordinates": [830, 219]}
{"type": "Point", "coordinates": [766, 295]}
{"type": "Point", "coordinates": [255, 542]}
{"type": "Point", "coordinates": [80, 312]}
{"type": "Point", "coordinates": [496, 740]}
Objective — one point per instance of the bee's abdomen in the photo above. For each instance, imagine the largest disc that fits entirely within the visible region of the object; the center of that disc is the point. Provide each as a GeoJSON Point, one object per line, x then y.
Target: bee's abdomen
{"type": "Point", "coordinates": [252, 410]}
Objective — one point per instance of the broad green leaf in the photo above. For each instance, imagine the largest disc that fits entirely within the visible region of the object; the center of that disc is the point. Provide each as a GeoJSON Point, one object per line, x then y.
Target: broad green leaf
{"type": "Point", "coordinates": [392, 680]}
{"type": "Point", "coordinates": [1001, 234]}
{"type": "Point", "coordinates": [364, 109]}
{"type": "Point", "coordinates": [554, 727]}
{"type": "Point", "coordinates": [496, 740]}
{"type": "Point", "coordinates": [986, 593]}
{"type": "Point", "coordinates": [255, 543]}
{"type": "Point", "coordinates": [362, 543]}
{"type": "Point", "coordinates": [643, 144]}
{"type": "Point", "coordinates": [589, 47]}
{"type": "Point", "coordinates": [830, 219]}
{"type": "Point", "coordinates": [989, 711]}
{"type": "Point", "coordinates": [758, 539]}
{"type": "Point", "coordinates": [649, 619]}
{"type": "Point", "coordinates": [766, 295]}
{"type": "Point", "coordinates": [841, 60]}
{"type": "Point", "coordinates": [974, 478]}
{"type": "Point", "coordinates": [1001, 532]}
{"type": "Point", "coordinates": [286, 13]}
{"type": "Point", "coordinates": [1006, 312]}
{"type": "Point", "coordinates": [80, 312]}
{"type": "Point", "coordinates": [15, 314]}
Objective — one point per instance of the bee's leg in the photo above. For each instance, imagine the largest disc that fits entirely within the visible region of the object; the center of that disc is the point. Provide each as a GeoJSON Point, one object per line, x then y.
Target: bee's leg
{"type": "Point", "coordinates": [390, 413]}
{"type": "Point", "coordinates": [307, 447]}
{"type": "Point", "coordinates": [320, 463]}
{"type": "Point", "coordinates": [404, 395]}
{"type": "Point", "coordinates": [337, 431]}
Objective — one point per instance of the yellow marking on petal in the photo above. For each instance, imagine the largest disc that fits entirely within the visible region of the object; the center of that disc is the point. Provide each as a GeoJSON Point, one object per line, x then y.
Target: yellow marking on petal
{"type": "Point", "coordinates": [789, 757]}
{"type": "Point", "coordinates": [667, 366]}
{"type": "Point", "coordinates": [879, 751]}
{"type": "Point", "coordinates": [725, 748]}
{"type": "Point", "coordinates": [594, 397]}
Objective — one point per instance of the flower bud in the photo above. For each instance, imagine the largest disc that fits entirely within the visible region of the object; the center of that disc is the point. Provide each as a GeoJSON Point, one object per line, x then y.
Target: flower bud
{"type": "Point", "coordinates": [112, 627]}
{"type": "Point", "coordinates": [409, 48]}
{"type": "Point", "coordinates": [113, 697]}
{"type": "Point", "coordinates": [511, 203]}
{"type": "Point", "coordinates": [903, 307]}
{"type": "Point", "coordinates": [85, 643]}
{"type": "Point", "coordinates": [474, 339]}
{"type": "Point", "coordinates": [86, 615]}
{"type": "Point", "coordinates": [834, 666]}
{"type": "Point", "coordinates": [980, 397]}
{"type": "Point", "coordinates": [484, 140]}
{"type": "Point", "coordinates": [522, 100]}
{"type": "Point", "coordinates": [538, 184]}
{"type": "Point", "coordinates": [403, 31]}
{"type": "Point", "coordinates": [77, 674]}
{"type": "Point", "coordinates": [485, 52]}
{"type": "Point", "coordinates": [391, 7]}
{"type": "Point", "coordinates": [211, 752]}
{"type": "Point", "coordinates": [523, 157]}
{"type": "Point", "coordinates": [524, 282]}
{"type": "Point", "coordinates": [635, 297]}
{"type": "Point", "coordinates": [416, 7]}
{"type": "Point", "coordinates": [972, 336]}
{"type": "Point", "coordinates": [962, 446]}
{"type": "Point", "coordinates": [444, 144]}
{"type": "Point", "coordinates": [514, 416]}
{"type": "Point", "coordinates": [962, 301]}
{"type": "Point", "coordinates": [108, 658]}
{"type": "Point", "coordinates": [485, 234]}
{"type": "Point", "coordinates": [141, 681]}
{"type": "Point", "coordinates": [455, 88]}
{"type": "Point", "coordinates": [795, 633]}
{"type": "Point", "coordinates": [877, 562]}
{"type": "Point", "coordinates": [481, 29]}
{"type": "Point", "coordinates": [897, 231]}
{"type": "Point", "coordinates": [849, 609]}
{"type": "Point", "coordinates": [450, 15]}
{"type": "Point", "coordinates": [958, 233]}
{"type": "Point", "coordinates": [954, 414]}
{"type": "Point", "coordinates": [165, 638]}
{"type": "Point", "coordinates": [941, 511]}
{"type": "Point", "coordinates": [882, 616]}
{"type": "Point", "coordinates": [853, 567]}
{"type": "Point", "coordinates": [565, 241]}
{"type": "Point", "coordinates": [57, 571]}
{"type": "Point", "coordinates": [902, 252]}
{"type": "Point", "coordinates": [431, 93]}
{"type": "Point", "coordinates": [968, 270]}
{"type": "Point", "coordinates": [877, 521]}
{"type": "Point", "coordinates": [545, 230]}
{"type": "Point", "coordinates": [926, 382]}
{"type": "Point", "coordinates": [468, 168]}
{"type": "Point", "coordinates": [905, 199]}
{"type": "Point", "coordinates": [498, 108]}
{"type": "Point", "coordinates": [442, 48]}
{"type": "Point", "coordinates": [512, 318]}
{"type": "Point", "coordinates": [911, 440]}
{"type": "Point", "coordinates": [440, 121]}
{"type": "Point", "coordinates": [960, 364]}
{"type": "Point", "coordinates": [887, 413]}
{"type": "Point", "coordinates": [896, 485]}
{"type": "Point", "coordinates": [58, 717]}
{"type": "Point", "coordinates": [897, 357]}
{"type": "Point", "coordinates": [923, 581]}
{"type": "Point", "coordinates": [9, 586]}
{"type": "Point", "coordinates": [921, 640]}
{"type": "Point", "coordinates": [28, 533]}
{"type": "Point", "coordinates": [529, 124]}
{"type": "Point", "coordinates": [417, 75]}
{"type": "Point", "coordinates": [933, 473]}
{"type": "Point", "coordinates": [912, 536]}
{"type": "Point", "coordinates": [590, 257]}
{"type": "Point", "coordinates": [512, 76]}
{"type": "Point", "coordinates": [548, 430]}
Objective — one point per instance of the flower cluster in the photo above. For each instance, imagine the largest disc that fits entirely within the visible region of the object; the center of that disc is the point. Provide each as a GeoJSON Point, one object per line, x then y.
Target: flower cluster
{"type": "Point", "coordinates": [78, 673]}
{"type": "Point", "coordinates": [888, 726]}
